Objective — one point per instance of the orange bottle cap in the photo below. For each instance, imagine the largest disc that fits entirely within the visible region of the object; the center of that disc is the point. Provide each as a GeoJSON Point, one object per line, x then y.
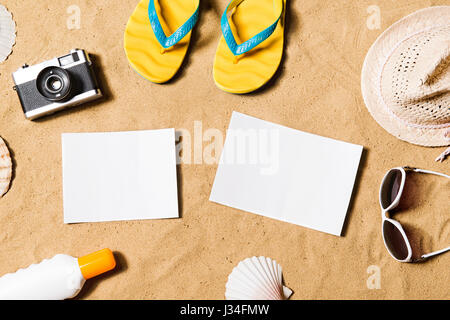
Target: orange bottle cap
{"type": "Point", "coordinates": [96, 263]}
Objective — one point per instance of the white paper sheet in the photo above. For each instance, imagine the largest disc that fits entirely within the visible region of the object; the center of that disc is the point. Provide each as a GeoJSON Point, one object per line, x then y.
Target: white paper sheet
{"type": "Point", "coordinates": [286, 174]}
{"type": "Point", "coordinates": [119, 176]}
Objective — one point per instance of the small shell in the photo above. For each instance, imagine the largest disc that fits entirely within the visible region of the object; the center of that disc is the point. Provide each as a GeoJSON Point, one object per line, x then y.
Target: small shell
{"type": "Point", "coordinates": [257, 279]}
{"type": "Point", "coordinates": [5, 168]}
{"type": "Point", "coordinates": [7, 33]}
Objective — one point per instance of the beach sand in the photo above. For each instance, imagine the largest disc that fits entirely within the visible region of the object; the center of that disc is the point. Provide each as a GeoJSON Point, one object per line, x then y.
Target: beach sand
{"type": "Point", "coordinates": [317, 90]}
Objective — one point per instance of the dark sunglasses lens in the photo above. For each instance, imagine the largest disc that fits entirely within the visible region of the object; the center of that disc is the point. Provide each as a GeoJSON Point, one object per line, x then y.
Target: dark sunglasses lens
{"type": "Point", "coordinates": [395, 241]}
{"type": "Point", "coordinates": [390, 188]}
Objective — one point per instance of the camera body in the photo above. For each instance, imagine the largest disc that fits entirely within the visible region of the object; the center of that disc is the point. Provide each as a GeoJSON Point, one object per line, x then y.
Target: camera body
{"type": "Point", "coordinates": [56, 84]}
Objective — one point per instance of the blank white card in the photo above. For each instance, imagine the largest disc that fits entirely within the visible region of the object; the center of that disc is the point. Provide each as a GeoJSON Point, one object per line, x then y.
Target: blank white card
{"type": "Point", "coordinates": [286, 174]}
{"type": "Point", "coordinates": [119, 176]}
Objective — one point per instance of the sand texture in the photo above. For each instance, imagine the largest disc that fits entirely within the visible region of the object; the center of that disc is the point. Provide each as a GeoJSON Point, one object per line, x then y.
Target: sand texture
{"type": "Point", "coordinates": [317, 90]}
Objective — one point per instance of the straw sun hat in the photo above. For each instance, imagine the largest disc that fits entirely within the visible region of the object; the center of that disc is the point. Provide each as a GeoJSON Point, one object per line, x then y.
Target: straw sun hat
{"type": "Point", "coordinates": [406, 78]}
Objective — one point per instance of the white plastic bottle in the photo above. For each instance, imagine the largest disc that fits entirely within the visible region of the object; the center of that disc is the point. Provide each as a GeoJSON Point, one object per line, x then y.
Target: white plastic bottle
{"type": "Point", "coordinates": [60, 277]}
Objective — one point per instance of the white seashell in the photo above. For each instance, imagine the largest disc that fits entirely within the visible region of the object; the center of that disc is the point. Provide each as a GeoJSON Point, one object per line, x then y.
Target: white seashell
{"type": "Point", "coordinates": [5, 168]}
{"type": "Point", "coordinates": [257, 279]}
{"type": "Point", "coordinates": [7, 33]}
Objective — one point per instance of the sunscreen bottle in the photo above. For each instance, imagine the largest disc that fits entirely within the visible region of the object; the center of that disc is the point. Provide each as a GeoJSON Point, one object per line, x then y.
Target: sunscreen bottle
{"type": "Point", "coordinates": [60, 277]}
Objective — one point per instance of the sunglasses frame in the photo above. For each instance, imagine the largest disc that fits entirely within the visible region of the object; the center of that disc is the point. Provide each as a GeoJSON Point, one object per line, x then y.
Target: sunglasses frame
{"type": "Point", "coordinates": [394, 204]}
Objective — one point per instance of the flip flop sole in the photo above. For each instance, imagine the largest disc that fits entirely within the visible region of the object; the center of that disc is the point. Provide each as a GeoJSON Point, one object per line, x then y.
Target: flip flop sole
{"type": "Point", "coordinates": [144, 52]}
{"type": "Point", "coordinates": [256, 67]}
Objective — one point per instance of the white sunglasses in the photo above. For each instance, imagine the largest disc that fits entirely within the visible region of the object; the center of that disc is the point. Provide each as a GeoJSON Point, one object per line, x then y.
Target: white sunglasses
{"type": "Point", "coordinates": [394, 236]}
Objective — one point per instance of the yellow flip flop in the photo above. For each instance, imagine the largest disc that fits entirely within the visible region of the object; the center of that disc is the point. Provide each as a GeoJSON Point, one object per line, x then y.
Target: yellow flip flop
{"type": "Point", "coordinates": [243, 67]}
{"type": "Point", "coordinates": [150, 52]}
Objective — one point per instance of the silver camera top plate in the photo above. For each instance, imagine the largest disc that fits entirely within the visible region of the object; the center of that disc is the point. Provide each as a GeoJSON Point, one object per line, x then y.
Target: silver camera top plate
{"type": "Point", "coordinates": [30, 73]}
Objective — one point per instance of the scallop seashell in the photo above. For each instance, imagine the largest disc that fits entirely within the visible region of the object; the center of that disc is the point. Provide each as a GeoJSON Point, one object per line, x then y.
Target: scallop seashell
{"type": "Point", "coordinates": [5, 168]}
{"type": "Point", "coordinates": [257, 278]}
{"type": "Point", "coordinates": [7, 33]}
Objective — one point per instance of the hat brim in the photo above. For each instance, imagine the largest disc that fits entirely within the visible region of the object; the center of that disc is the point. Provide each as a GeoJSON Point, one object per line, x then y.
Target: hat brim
{"type": "Point", "coordinates": [374, 62]}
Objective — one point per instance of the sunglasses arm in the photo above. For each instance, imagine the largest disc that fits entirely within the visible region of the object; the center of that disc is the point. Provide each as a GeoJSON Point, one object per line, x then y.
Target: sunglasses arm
{"type": "Point", "coordinates": [427, 171]}
{"type": "Point", "coordinates": [435, 253]}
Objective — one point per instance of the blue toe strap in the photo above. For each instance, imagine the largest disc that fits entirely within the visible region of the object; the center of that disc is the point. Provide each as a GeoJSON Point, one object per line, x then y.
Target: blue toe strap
{"type": "Point", "coordinates": [254, 41]}
{"type": "Point", "coordinates": [181, 32]}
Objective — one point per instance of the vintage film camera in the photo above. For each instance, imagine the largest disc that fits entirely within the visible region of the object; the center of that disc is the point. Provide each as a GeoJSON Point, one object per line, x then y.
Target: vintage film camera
{"type": "Point", "coordinates": [56, 84]}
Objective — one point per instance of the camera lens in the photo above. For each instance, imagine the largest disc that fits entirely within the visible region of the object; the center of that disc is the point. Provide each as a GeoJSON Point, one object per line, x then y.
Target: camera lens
{"type": "Point", "coordinates": [54, 83]}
